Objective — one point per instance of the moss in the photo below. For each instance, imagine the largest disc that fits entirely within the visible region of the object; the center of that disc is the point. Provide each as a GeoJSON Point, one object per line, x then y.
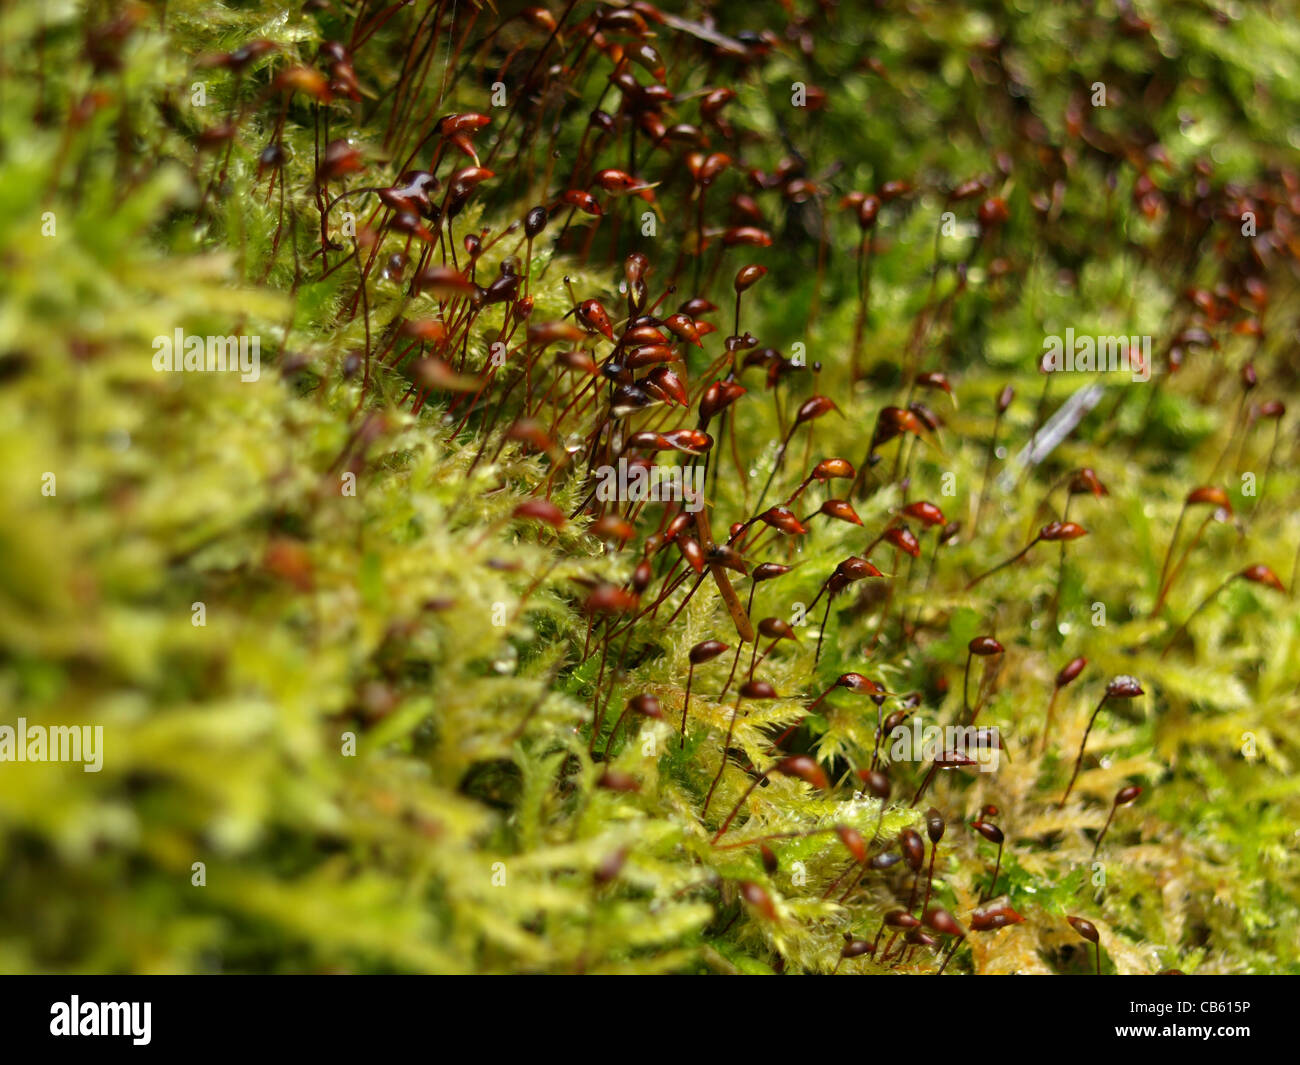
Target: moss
{"type": "Point", "coordinates": [379, 743]}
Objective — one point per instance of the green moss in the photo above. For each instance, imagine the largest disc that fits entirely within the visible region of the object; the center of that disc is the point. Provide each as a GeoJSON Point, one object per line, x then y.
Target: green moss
{"type": "Point", "coordinates": [469, 830]}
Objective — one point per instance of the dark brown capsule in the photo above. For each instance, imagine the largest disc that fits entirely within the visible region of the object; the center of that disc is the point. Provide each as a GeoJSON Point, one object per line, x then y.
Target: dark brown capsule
{"type": "Point", "coordinates": [912, 847]}
{"type": "Point", "coordinates": [706, 651]}
{"type": "Point", "coordinates": [1070, 671]}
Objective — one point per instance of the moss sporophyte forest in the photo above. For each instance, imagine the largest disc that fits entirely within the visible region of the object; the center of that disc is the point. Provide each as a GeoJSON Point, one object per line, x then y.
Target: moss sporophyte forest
{"type": "Point", "coordinates": [614, 488]}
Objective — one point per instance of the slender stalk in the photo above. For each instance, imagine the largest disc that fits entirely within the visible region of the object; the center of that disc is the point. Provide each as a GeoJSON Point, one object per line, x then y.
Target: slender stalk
{"type": "Point", "coordinates": [1204, 603]}
{"type": "Point", "coordinates": [731, 727]}
{"type": "Point", "coordinates": [1003, 565]}
{"type": "Point", "coordinates": [1102, 835]}
{"type": "Point", "coordinates": [686, 707]}
{"type": "Point", "coordinates": [1047, 723]}
{"type": "Point", "coordinates": [739, 803]}
{"type": "Point", "coordinates": [1078, 762]}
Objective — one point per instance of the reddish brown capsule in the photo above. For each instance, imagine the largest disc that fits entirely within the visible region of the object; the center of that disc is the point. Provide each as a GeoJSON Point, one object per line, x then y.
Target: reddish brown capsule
{"type": "Point", "coordinates": [1070, 671]}
{"type": "Point", "coordinates": [532, 433]}
{"type": "Point", "coordinates": [444, 282]}
{"type": "Point", "coordinates": [934, 825]}
{"type": "Point", "coordinates": [750, 236]}
{"type": "Point", "coordinates": [723, 555]}
{"type": "Point", "coordinates": [534, 222]}
{"type": "Point", "coordinates": [814, 407]}
{"type": "Point", "coordinates": [541, 510]}
{"type": "Point", "coordinates": [829, 468]}
{"type": "Point", "coordinates": [993, 213]}
{"type": "Point", "coordinates": [912, 848]}
{"type": "Point", "coordinates": [1127, 794]}
{"type": "Point", "coordinates": [855, 948]}
{"type": "Point", "coordinates": [583, 201]}
{"type": "Point", "coordinates": [642, 575]}
{"type": "Point", "coordinates": [776, 629]}
{"type": "Point", "coordinates": [1211, 494]}
{"type": "Point", "coordinates": [664, 385]}
{"type": "Point", "coordinates": [856, 569]}
{"type": "Point", "coordinates": [706, 651]}
{"type": "Point", "coordinates": [895, 420]}
{"type": "Point", "coordinates": [783, 520]}
{"type": "Point", "coordinates": [990, 832]}
{"type": "Point", "coordinates": [502, 290]}
{"type": "Point", "coordinates": [594, 316]}
{"type": "Point", "coordinates": [714, 101]}
{"type": "Point", "coordinates": [717, 397]}
{"type": "Point", "coordinates": [619, 181]}
{"type": "Point", "coordinates": [340, 158]}
{"type": "Point", "coordinates": [544, 334]}
{"type": "Point", "coordinates": [895, 719]}
{"type": "Point", "coordinates": [692, 552]}
{"type": "Point", "coordinates": [1085, 928]}
{"type": "Point", "coordinates": [993, 917]}
{"type": "Point", "coordinates": [579, 360]}
{"type": "Point", "coordinates": [868, 211]}
{"type": "Point", "coordinates": [904, 539]}
{"type": "Point", "coordinates": [1124, 687]}
{"type": "Point", "coordinates": [758, 689]}
{"type": "Point", "coordinates": [646, 705]}
{"type": "Point", "coordinates": [766, 571]}
{"type": "Point", "coordinates": [689, 441]}
{"type": "Point", "coordinates": [934, 379]}
{"type": "Point", "coordinates": [985, 645]}
{"type": "Point", "coordinates": [304, 80]}
{"type": "Point", "coordinates": [926, 416]}
{"type": "Point", "coordinates": [617, 780]}
{"type": "Point", "coordinates": [852, 839]}
{"type": "Point", "coordinates": [609, 599]}
{"type": "Point", "coordinates": [841, 510]}
{"type": "Point", "coordinates": [697, 307]}
{"type": "Point", "coordinates": [750, 275]}
{"type": "Point", "coordinates": [684, 328]}
{"type": "Point", "coordinates": [1086, 480]}
{"type": "Point", "coordinates": [858, 684]}
{"type": "Point", "coordinates": [967, 190]}
{"type": "Point", "coordinates": [758, 898]}
{"type": "Point", "coordinates": [427, 330]}
{"type": "Point", "coordinates": [1261, 574]}
{"type": "Point", "coordinates": [613, 529]}
{"type": "Point", "coordinates": [643, 333]}
{"type": "Point", "coordinates": [466, 122]}
{"type": "Point", "coordinates": [463, 181]}
{"type": "Point", "coordinates": [901, 918]}
{"type": "Point", "coordinates": [770, 864]}
{"type": "Point", "coordinates": [943, 922]}
{"type": "Point", "coordinates": [926, 513]}
{"type": "Point", "coordinates": [876, 782]}
{"type": "Point", "coordinates": [710, 166]}
{"type": "Point", "coordinates": [1061, 530]}
{"type": "Point", "coordinates": [677, 525]}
